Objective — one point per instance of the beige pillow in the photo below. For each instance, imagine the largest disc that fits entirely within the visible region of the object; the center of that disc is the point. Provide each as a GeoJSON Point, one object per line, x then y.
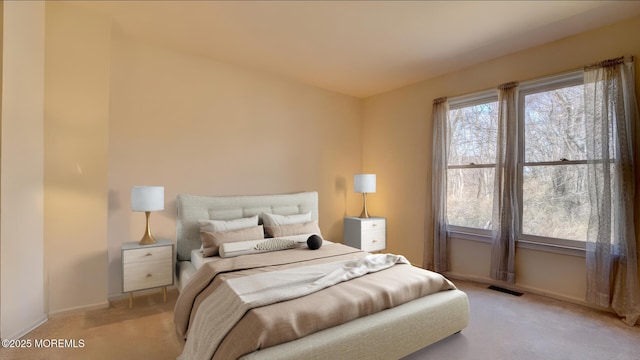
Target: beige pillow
{"type": "Point", "coordinates": [310, 227]}
{"type": "Point", "coordinates": [211, 241]}
{"type": "Point", "coordinates": [275, 219]}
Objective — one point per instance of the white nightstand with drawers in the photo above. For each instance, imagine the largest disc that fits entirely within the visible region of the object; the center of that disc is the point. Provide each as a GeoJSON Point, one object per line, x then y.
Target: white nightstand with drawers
{"type": "Point", "coordinates": [147, 266]}
{"type": "Point", "coordinates": [368, 234]}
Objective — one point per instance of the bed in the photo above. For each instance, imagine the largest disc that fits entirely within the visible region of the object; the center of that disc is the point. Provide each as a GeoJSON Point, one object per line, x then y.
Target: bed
{"type": "Point", "coordinates": [390, 333]}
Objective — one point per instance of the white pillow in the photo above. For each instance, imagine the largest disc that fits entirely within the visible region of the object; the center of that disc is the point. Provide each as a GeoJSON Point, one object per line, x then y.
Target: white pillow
{"type": "Point", "coordinates": [228, 225]}
{"type": "Point", "coordinates": [275, 220]}
{"type": "Point", "coordinates": [250, 247]}
{"type": "Point", "coordinates": [232, 249]}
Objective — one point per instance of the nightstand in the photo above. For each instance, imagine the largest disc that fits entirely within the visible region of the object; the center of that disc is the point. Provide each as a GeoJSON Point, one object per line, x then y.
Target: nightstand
{"type": "Point", "coordinates": [368, 234]}
{"type": "Point", "coordinates": [146, 267]}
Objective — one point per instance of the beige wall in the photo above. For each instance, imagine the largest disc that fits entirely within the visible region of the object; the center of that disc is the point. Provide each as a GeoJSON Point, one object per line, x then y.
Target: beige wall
{"type": "Point", "coordinates": [397, 146]}
{"type": "Point", "coordinates": [122, 113]}
{"type": "Point", "coordinates": [196, 126]}
{"type": "Point", "coordinates": [22, 299]}
{"type": "Point", "coordinates": [76, 143]}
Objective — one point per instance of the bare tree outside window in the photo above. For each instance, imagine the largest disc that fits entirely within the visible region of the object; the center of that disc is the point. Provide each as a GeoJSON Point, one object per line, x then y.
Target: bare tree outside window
{"type": "Point", "coordinates": [472, 153]}
{"type": "Point", "coordinates": [554, 190]}
{"type": "Point", "coordinates": [552, 163]}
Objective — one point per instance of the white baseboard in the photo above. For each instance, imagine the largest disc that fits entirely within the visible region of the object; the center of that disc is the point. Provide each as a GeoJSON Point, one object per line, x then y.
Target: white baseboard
{"type": "Point", "coordinates": [27, 329]}
{"type": "Point", "coordinates": [123, 296]}
{"type": "Point", "coordinates": [96, 306]}
{"type": "Point", "coordinates": [526, 289]}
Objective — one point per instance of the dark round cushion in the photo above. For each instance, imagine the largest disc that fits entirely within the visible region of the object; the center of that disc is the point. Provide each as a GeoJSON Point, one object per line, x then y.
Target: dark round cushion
{"type": "Point", "coordinates": [314, 242]}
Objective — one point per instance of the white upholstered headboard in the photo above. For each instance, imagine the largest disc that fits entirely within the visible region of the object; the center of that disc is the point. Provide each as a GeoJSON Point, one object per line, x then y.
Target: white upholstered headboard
{"type": "Point", "coordinates": [192, 208]}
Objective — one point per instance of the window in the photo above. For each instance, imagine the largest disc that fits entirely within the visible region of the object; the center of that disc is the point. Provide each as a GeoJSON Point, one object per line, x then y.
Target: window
{"type": "Point", "coordinates": [555, 201]}
{"type": "Point", "coordinates": [553, 196]}
{"type": "Point", "coordinates": [471, 163]}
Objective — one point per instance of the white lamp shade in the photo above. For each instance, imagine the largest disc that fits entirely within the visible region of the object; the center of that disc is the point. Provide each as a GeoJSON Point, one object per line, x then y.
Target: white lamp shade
{"type": "Point", "coordinates": [147, 198]}
{"type": "Point", "coordinates": [364, 183]}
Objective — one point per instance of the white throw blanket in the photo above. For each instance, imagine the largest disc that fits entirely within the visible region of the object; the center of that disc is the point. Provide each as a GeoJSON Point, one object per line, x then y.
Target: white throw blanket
{"type": "Point", "coordinates": [232, 299]}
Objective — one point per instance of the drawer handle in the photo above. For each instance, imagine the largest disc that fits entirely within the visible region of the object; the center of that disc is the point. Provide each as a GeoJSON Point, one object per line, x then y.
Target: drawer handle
{"type": "Point", "coordinates": [148, 275]}
{"type": "Point", "coordinates": [374, 241]}
{"type": "Point", "coordinates": [374, 225]}
{"type": "Point", "coordinates": [149, 254]}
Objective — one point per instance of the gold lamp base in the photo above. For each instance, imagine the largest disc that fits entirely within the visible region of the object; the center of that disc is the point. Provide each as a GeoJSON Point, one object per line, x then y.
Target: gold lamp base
{"type": "Point", "coordinates": [147, 238]}
{"type": "Point", "coordinates": [364, 214]}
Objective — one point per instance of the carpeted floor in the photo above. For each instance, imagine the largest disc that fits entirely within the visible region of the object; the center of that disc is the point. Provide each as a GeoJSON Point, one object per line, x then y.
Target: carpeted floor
{"type": "Point", "coordinates": [531, 327]}
{"type": "Point", "coordinates": [502, 326]}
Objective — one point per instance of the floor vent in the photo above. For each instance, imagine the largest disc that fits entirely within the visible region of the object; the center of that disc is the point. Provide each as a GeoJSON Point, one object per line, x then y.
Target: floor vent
{"type": "Point", "coordinates": [506, 291]}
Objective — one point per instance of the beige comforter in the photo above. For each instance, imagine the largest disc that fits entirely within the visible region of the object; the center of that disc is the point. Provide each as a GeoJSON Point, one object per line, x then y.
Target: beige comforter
{"type": "Point", "coordinates": [284, 321]}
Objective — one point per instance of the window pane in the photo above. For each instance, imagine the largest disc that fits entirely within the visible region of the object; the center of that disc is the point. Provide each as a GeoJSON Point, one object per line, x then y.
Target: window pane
{"type": "Point", "coordinates": [554, 125]}
{"type": "Point", "coordinates": [470, 197]}
{"type": "Point", "coordinates": [473, 132]}
{"type": "Point", "coordinates": [555, 201]}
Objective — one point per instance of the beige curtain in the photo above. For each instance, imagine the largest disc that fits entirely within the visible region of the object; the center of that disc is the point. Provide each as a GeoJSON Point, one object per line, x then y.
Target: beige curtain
{"type": "Point", "coordinates": [611, 116]}
{"type": "Point", "coordinates": [439, 187]}
{"type": "Point", "coordinates": [504, 222]}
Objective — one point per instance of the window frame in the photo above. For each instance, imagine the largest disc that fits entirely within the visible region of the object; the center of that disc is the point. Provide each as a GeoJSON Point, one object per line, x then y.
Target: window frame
{"type": "Point", "coordinates": [534, 242]}
{"type": "Point", "coordinates": [483, 97]}
{"type": "Point", "coordinates": [532, 87]}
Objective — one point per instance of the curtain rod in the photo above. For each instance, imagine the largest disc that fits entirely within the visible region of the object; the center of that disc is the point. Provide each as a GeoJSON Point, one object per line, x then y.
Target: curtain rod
{"type": "Point", "coordinates": [483, 94]}
{"type": "Point", "coordinates": [439, 100]}
{"type": "Point", "coordinates": [610, 62]}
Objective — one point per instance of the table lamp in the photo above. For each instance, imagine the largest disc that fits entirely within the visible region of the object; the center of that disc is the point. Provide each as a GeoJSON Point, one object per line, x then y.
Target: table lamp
{"type": "Point", "coordinates": [364, 183]}
{"type": "Point", "coordinates": [147, 199]}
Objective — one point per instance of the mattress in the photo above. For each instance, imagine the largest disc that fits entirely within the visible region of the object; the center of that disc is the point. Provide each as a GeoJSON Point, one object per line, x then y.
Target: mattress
{"type": "Point", "coordinates": [197, 258]}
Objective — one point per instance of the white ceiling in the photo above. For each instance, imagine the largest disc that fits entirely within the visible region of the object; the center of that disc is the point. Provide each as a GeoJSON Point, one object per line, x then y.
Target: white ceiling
{"type": "Point", "coordinates": [359, 48]}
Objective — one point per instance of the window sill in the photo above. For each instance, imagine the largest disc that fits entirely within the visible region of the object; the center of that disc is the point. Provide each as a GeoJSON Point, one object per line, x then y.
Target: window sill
{"type": "Point", "coordinates": [468, 235]}
{"type": "Point", "coordinates": [552, 248]}
{"type": "Point", "coordinates": [521, 244]}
